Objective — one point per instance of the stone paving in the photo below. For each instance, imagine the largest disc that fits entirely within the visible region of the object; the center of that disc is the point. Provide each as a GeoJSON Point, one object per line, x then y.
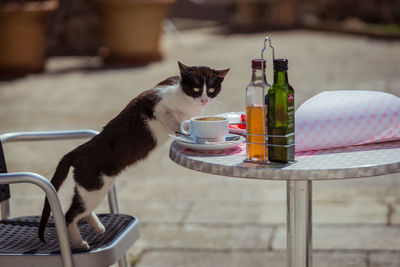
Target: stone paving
{"type": "Point", "coordinates": [192, 219]}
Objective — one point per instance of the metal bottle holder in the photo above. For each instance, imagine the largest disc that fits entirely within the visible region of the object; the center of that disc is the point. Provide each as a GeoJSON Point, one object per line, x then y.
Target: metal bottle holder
{"type": "Point", "coordinates": [265, 134]}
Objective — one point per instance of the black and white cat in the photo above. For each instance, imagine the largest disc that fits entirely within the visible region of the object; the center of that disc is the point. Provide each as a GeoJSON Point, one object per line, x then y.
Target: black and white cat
{"type": "Point", "coordinates": [144, 123]}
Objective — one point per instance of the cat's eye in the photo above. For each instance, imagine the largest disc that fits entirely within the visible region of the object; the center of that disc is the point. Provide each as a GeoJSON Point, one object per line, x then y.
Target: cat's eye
{"type": "Point", "coordinates": [196, 89]}
{"type": "Point", "coordinates": [211, 90]}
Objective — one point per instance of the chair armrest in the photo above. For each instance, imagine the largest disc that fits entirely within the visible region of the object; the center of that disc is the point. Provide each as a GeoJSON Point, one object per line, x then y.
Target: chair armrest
{"type": "Point", "coordinates": [46, 135]}
{"type": "Point", "coordinates": [60, 135]}
{"type": "Point", "coordinates": [55, 205]}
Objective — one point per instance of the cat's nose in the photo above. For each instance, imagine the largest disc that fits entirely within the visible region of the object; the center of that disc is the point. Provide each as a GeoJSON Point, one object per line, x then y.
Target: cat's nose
{"type": "Point", "coordinates": [204, 101]}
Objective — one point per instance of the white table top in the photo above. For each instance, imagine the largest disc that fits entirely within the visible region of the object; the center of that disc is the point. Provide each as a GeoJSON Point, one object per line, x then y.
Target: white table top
{"type": "Point", "coordinates": [340, 163]}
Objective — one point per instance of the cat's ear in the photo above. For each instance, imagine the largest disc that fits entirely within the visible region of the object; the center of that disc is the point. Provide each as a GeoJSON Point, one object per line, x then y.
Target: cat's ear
{"type": "Point", "coordinates": [183, 68]}
{"type": "Point", "coordinates": [222, 73]}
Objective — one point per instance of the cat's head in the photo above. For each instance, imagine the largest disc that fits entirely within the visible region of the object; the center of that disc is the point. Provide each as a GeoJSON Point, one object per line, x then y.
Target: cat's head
{"type": "Point", "coordinates": [201, 83]}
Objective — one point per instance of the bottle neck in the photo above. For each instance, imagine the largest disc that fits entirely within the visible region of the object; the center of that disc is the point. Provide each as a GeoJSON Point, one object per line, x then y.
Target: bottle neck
{"type": "Point", "coordinates": [280, 77]}
{"type": "Point", "coordinates": [257, 75]}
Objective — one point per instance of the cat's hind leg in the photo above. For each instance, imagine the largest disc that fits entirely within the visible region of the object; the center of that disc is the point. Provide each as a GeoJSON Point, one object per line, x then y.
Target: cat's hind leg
{"type": "Point", "coordinates": [75, 213]}
{"type": "Point", "coordinates": [95, 223]}
{"type": "Point", "coordinates": [76, 238]}
{"type": "Point", "coordinates": [92, 199]}
{"type": "Point", "coordinates": [83, 204]}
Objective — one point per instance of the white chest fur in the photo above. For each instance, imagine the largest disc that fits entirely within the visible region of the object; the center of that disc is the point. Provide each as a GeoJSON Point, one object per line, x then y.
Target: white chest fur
{"type": "Point", "coordinates": [173, 108]}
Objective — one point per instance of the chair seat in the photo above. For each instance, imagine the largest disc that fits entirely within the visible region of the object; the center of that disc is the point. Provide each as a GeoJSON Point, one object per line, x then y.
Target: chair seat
{"type": "Point", "coordinates": [18, 236]}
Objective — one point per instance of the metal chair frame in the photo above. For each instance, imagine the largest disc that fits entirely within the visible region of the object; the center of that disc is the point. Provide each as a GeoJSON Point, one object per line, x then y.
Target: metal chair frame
{"type": "Point", "coordinates": [54, 201]}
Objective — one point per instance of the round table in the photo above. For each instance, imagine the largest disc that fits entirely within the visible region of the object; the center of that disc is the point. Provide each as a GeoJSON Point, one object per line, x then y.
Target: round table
{"type": "Point", "coordinates": [341, 163]}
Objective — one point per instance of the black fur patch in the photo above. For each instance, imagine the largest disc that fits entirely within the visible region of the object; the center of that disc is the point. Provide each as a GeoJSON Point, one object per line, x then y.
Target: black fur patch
{"type": "Point", "coordinates": [124, 140]}
{"type": "Point", "coordinates": [77, 207]}
{"type": "Point", "coordinates": [170, 81]}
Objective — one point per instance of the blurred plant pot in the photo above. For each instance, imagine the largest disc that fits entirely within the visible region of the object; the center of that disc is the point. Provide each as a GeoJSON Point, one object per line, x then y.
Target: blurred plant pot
{"type": "Point", "coordinates": [132, 30]}
{"type": "Point", "coordinates": [259, 14]}
{"type": "Point", "coordinates": [23, 36]}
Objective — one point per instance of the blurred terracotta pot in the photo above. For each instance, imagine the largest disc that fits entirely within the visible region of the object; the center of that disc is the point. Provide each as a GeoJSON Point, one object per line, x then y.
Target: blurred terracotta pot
{"type": "Point", "coordinates": [259, 14]}
{"type": "Point", "coordinates": [132, 30]}
{"type": "Point", "coordinates": [23, 37]}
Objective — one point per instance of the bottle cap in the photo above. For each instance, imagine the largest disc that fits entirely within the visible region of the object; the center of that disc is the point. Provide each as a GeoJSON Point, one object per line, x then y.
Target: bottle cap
{"type": "Point", "coordinates": [256, 63]}
{"type": "Point", "coordinates": [280, 64]}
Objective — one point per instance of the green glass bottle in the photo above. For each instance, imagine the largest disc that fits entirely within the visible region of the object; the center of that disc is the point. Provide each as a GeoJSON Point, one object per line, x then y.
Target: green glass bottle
{"type": "Point", "coordinates": [281, 115]}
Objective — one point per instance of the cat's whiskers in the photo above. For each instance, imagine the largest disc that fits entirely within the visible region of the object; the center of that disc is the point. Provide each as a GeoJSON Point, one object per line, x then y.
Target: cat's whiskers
{"type": "Point", "coordinates": [218, 102]}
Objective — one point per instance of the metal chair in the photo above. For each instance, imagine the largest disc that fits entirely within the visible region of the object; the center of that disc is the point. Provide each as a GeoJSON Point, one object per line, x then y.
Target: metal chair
{"type": "Point", "coordinates": [19, 244]}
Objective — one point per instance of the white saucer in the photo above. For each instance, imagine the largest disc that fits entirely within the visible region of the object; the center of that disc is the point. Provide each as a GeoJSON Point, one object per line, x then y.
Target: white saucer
{"type": "Point", "coordinates": [209, 147]}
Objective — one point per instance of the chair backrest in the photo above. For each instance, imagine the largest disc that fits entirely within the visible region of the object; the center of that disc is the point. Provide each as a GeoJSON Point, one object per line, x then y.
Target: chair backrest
{"type": "Point", "coordinates": [4, 188]}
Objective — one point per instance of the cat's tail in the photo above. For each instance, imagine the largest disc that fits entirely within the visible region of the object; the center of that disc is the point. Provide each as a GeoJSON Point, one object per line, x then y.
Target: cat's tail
{"type": "Point", "coordinates": [59, 177]}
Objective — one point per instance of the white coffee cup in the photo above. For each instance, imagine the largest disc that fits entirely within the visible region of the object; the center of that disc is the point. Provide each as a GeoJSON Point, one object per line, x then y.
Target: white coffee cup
{"type": "Point", "coordinates": [206, 128]}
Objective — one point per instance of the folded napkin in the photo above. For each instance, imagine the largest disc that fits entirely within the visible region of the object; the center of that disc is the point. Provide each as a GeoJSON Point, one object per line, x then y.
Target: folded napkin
{"type": "Point", "coordinates": [345, 118]}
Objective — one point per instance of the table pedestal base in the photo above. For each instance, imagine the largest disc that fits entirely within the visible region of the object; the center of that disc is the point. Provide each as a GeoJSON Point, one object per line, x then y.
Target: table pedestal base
{"type": "Point", "coordinates": [299, 223]}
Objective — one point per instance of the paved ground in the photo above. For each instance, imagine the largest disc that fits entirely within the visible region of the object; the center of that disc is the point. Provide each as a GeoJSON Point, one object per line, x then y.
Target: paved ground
{"type": "Point", "coordinates": [192, 219]}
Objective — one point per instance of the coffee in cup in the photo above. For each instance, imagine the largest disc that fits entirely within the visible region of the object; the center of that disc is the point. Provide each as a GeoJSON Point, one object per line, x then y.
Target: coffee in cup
{"type": "Point", "coordinates": [211, 119]}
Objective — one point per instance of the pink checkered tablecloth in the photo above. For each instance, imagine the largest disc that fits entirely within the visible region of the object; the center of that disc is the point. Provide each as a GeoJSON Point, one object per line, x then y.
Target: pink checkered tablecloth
{"type": "Point", "coordinates": [346, 118]}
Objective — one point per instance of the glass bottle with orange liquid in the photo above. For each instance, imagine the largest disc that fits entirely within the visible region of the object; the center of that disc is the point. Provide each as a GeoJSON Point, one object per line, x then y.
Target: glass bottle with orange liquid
{"type": "Point", "coordinates": [257, 112]}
